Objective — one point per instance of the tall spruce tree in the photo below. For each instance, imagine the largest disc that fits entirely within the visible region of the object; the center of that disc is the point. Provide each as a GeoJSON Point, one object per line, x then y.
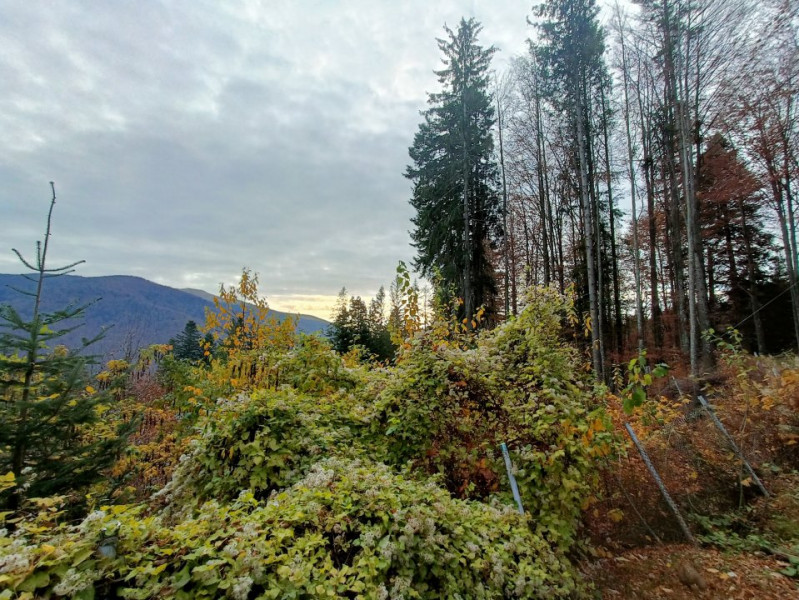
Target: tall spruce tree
{"type": "Point", "coordinates": [454, 174]}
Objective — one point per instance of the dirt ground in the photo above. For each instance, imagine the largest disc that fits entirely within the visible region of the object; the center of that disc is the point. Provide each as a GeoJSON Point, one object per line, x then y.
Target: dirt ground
{"type": "Point", "coordinates": [660, 572]}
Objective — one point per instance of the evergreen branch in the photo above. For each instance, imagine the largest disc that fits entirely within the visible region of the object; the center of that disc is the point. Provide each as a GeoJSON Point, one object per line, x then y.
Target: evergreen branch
{"type": "Point", "coordinates": [22, 259]}
{"type": "Point", "coordinates": [19, 291]}
{"type": "Point", "coordinates": [57, 271]}
{"type": "Point", "coordinates": [50, 274]}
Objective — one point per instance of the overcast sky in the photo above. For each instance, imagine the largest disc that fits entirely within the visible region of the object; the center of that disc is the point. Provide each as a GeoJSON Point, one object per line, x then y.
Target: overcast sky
{"type": "Point", "coordinates": [190, 138]}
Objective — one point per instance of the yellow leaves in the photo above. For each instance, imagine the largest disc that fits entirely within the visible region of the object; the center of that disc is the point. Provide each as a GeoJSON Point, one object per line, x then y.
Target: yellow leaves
{"type": "Point", "coordinates": [599, 450]}
{"type": "Point", "coordinates": [247, 335]}
{"type": "Point", "coordinates": [789, 377]}
{"type": "Point", "coordinates": [789, 439]}
{"type": "Point", "coordinates": [117, 366]}
{"type": "Point", "coordinates": [616, 515]}
{"type": "Point", "coordinates": [90, 390]}
{"type": "Point", "coordinates": [587, 326]}
{"type": "Point", "coordinates": [7, 481]}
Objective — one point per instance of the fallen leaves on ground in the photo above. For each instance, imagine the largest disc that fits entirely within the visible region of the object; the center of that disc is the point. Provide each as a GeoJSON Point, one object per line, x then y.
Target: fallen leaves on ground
{"type": "Point", "coordinates": [653, 573]}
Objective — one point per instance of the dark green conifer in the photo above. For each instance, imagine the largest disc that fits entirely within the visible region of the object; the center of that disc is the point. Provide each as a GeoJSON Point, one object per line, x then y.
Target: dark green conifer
{"type": "Point", "coordinates": [454, 174]}
{"type": "Point", "coordinates": [189, 343]}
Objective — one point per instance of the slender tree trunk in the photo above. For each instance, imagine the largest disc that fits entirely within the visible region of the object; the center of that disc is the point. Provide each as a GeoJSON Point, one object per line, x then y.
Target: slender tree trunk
{"type": "Point", "coordinates": [675, 248]}
{"type": "Point", "coordinates": [649, 182]}
{"type": "Point", "coordinates": [468, 294]}
{"type": "Point", "coordinates": [639, 318]}
{"type": "Point", "coordinates": [514, 267]}
{"type": "Point", "coordinates": [504, 209]}
{"type": "Point", "coordinates": [697, 291]}
{"type": "Point", "coordinates": [541, 186]}
{"type": "Point", "coordinates": [588, 233]}
{"type": "Point", "coordinates": [791, 224]}
{"type": "Point", "coordinates": [561, 260]}
{"type": "Point", "coordinates": [21, 441]}
{"type": "Point", "coordinates": [555, 225]}
{"type": "Point", "coordinates": [789, 257]}
{"type": "Point", "coordinates": [614, 260]}
{"type": "Point", "coordinates": [711, 277]}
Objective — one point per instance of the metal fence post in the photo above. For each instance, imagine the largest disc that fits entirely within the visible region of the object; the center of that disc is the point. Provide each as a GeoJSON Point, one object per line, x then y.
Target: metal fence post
{"type": "Point", "coordinates": [513, 486]}
{"type": "Point", "coordinates": [659, 481]}
{"type": "Point", "coordinates": [733, 445]}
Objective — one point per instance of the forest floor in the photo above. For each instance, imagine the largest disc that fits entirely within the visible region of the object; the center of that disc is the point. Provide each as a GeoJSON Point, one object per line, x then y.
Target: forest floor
{"type": "Point", "coordinates": [748, 544]}
{"type": "Point", "coordinates": [657, 572]}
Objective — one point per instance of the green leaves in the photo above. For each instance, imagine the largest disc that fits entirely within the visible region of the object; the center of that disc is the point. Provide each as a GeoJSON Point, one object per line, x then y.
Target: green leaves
{"type": "Point", "coordinates": [446, 410]}
{"type": "Point", "coordinates": [347, 527]}
{"type": "Point", "coordinates": [634, 398]}
{"type": "Point", "coordinates": [389, 484]}
{"type": "Point", "coordinates": [638, 379]}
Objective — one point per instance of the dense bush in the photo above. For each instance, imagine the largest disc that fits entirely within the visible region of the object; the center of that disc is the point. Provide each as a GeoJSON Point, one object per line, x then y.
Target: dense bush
{"type": "Point", "coordinates": [350, 529]}
{"type": "Point", "coordinates": [447, 410]}
{"type": "Point", "coordinates": [264, 442]}
{"type": "Point", "coordinates": [329, 480]}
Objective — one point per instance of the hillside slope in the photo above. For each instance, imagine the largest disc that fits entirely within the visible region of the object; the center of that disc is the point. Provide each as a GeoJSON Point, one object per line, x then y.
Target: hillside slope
{"type": "Point", "coordinates": [137, 312]}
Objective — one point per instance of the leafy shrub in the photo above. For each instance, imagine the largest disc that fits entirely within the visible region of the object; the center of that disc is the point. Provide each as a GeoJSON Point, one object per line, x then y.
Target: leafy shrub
{"type": "Point", "coordinates": [263, 442]}
{"type": "Point", "coordinates": [347, 529]}
{"type": "Point", "coordinates": [447, 410]}
{"type": "Point", "coordinates": [313, 367]}
{"type": "Point", "coordinates": [300, 486]}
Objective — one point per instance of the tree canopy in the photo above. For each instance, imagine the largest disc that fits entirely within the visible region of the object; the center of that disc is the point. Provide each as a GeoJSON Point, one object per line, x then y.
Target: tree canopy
{"type": "Point", "coordinates": [454, 173]}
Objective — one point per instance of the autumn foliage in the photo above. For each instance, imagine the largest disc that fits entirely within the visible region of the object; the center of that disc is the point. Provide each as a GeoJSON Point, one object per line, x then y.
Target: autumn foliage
{"type": "Point", "coordinates": [303, 476]}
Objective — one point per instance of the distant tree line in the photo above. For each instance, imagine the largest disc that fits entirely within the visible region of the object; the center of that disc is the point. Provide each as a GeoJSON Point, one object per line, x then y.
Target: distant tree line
{"type": "Point", "coordinates": [355, 324]}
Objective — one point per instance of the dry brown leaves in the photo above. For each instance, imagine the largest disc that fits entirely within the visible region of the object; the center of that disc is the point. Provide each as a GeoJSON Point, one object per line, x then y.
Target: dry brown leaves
{"type": "Point", "coordinates": [653, 573]}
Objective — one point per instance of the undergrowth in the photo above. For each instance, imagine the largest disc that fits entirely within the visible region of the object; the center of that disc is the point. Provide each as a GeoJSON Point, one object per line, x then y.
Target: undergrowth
{"type": "Point", "coordinates": [291, 472]}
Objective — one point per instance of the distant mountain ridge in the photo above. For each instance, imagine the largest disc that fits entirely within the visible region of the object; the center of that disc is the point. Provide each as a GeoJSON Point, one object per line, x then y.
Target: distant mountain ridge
{"type": "Point", "coordinates": [138, 312]}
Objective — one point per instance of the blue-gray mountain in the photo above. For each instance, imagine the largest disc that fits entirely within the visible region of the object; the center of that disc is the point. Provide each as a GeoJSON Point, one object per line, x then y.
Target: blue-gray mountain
{"type": "Point", "coordinates": [137, 312]}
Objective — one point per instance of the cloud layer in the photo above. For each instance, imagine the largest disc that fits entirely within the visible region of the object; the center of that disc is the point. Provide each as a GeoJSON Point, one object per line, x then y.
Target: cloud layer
{"type": "Point", "coordinates": [188, 139]}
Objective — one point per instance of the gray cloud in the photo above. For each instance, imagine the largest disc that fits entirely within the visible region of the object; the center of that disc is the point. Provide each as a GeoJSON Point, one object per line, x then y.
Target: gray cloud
{"type": "Point", "coordinates": [188, 139]}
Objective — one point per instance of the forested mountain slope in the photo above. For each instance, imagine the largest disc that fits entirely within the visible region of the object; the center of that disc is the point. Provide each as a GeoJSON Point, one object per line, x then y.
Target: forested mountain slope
{"type": "Point", "coordinates": [137, 311]}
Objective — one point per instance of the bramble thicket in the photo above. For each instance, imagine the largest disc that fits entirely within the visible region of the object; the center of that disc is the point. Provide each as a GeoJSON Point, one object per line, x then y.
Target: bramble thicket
{"type": "Point", "coordinates": [295, 473]}
{"type": "Point", "coordinates": [276, 468]}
